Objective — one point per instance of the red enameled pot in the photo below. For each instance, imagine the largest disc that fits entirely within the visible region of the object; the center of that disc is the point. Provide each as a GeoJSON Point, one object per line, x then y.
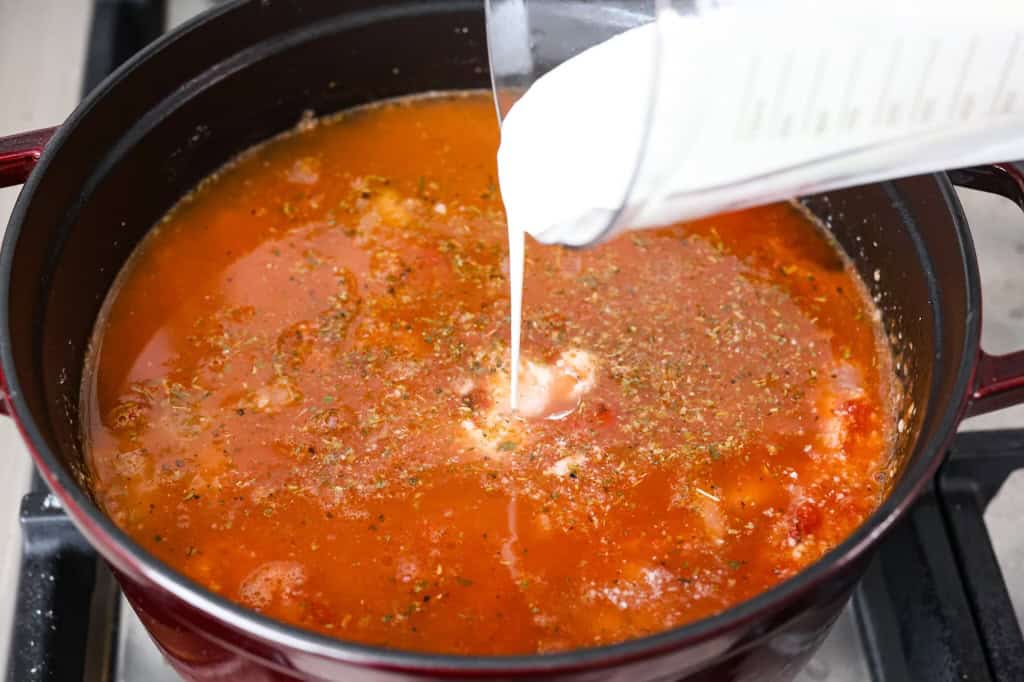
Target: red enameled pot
{"type": "Point", "coordinates": [246, 71]}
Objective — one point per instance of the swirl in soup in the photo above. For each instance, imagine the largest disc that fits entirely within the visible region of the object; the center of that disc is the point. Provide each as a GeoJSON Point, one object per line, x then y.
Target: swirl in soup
{"type": "Point", "coordinates": [299, 386]}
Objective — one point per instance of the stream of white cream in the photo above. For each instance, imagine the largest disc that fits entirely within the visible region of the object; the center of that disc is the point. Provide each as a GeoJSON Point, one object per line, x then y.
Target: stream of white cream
{"type": "Point", "coordinates": [516, 266]}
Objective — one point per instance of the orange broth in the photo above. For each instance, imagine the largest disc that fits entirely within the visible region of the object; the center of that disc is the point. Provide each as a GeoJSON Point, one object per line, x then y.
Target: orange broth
{"type": "Point", "coordinates": [292, 399]}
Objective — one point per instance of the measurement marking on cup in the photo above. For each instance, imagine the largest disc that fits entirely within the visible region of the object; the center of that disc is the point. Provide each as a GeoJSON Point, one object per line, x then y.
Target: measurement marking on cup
{"type": "Point", "coordinates": [883, 96]}
{"type": "Point", "coordinates": [746, 114]}
{"type": "Point", "coordinates": [812, 97]}
{"type": "Point", "coordinates": [1009, 101]}
{"type": "Point", "coordinates": [927, 109]}
{"type": "Point", "coordinates": [968, 108]}
{"type": "Point", "coordinates": [787, 72]}
{"type": "Point", "coordinates": [1006, 72]}
{"type": "Point", "coordinates": [853, 118]}
{"type": "Point", "coordinates": [755, 125]}
{"type": "Point", "coordinates": [851, 84]}
{"type": "Point", "coordinates": [915, 111]}
{"type": "Point", "coordinates": [894, 113]}
{"type": "Point", "coordinates": [822, 122]}
{"type": "Point", "coordinates": [958, 91]}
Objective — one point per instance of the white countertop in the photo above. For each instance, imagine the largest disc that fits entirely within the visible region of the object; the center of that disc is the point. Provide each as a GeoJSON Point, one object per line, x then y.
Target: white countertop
{"type": "Point", "coordinates": [42, 45]}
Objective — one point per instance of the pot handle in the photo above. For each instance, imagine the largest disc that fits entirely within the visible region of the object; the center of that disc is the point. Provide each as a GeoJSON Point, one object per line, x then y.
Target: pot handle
{"type": "Point", "coordinates": [19, 154]}
{"type": "Point", "coordinates": [998, 379]}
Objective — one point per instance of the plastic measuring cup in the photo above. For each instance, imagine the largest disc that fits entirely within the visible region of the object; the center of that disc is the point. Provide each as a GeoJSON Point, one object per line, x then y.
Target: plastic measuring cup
{"type": "Point", "coordinates": [690, 108]}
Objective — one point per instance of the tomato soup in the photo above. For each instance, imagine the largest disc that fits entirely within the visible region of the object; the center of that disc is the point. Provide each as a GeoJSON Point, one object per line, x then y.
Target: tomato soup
{"type": "Point", "coordinates": [298, 394]}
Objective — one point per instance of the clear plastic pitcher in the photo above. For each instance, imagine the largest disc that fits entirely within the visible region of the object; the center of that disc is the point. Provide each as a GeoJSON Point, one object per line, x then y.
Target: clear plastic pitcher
{"type": "Point", "coordinates": [679, 109]}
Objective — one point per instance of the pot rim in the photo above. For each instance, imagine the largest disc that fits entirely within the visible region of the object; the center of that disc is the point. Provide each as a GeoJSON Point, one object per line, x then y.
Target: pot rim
{"type": "Point", "coordinates": [131, 559]}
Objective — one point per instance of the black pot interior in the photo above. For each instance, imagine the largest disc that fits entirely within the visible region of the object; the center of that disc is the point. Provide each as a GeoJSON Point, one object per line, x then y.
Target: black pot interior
{"type": "Point", "coordinates": [249, 73]}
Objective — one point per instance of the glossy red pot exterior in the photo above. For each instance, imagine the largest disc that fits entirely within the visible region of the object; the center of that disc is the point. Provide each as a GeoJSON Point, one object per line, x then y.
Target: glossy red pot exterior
{"type": "Point", "coordinates": [248, 70]}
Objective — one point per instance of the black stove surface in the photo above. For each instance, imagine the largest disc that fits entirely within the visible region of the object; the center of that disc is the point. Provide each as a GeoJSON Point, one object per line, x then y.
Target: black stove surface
{"type": "Point", "coordinates": [932, 606]}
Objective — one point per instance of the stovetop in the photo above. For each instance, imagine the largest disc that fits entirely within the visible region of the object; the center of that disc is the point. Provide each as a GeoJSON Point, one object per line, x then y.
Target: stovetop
{"type": "Point", "coordinates": [932, 606]}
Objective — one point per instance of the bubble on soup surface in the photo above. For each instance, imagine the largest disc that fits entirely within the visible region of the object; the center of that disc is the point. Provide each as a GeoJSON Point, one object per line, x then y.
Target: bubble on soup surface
{"type": "Point", "coordinates": [566, 465]}
{"type": "Point", "coordinates": [134, 464]}
{"type": "Point", "coordinates": [295, 343]}
{"type": "Point", "coordinates": [277, 394]}
{"type": "Point", "coordinates": [305, 171]}
{"type": "Point", "coordinates": [390, 208]}
{"type": "Point", "coordinates": [407, 569]}
{"type": "Point", "coordinates": [332, 422]}
{"type": "Point", "coordinates": [128, 415]}
{"type": "Point", "coordinates": [271, 581]}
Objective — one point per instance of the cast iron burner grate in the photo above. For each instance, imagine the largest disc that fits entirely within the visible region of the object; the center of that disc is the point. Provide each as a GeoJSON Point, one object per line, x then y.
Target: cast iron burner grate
{"type": "Point", "coordinates": [932, 606]}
